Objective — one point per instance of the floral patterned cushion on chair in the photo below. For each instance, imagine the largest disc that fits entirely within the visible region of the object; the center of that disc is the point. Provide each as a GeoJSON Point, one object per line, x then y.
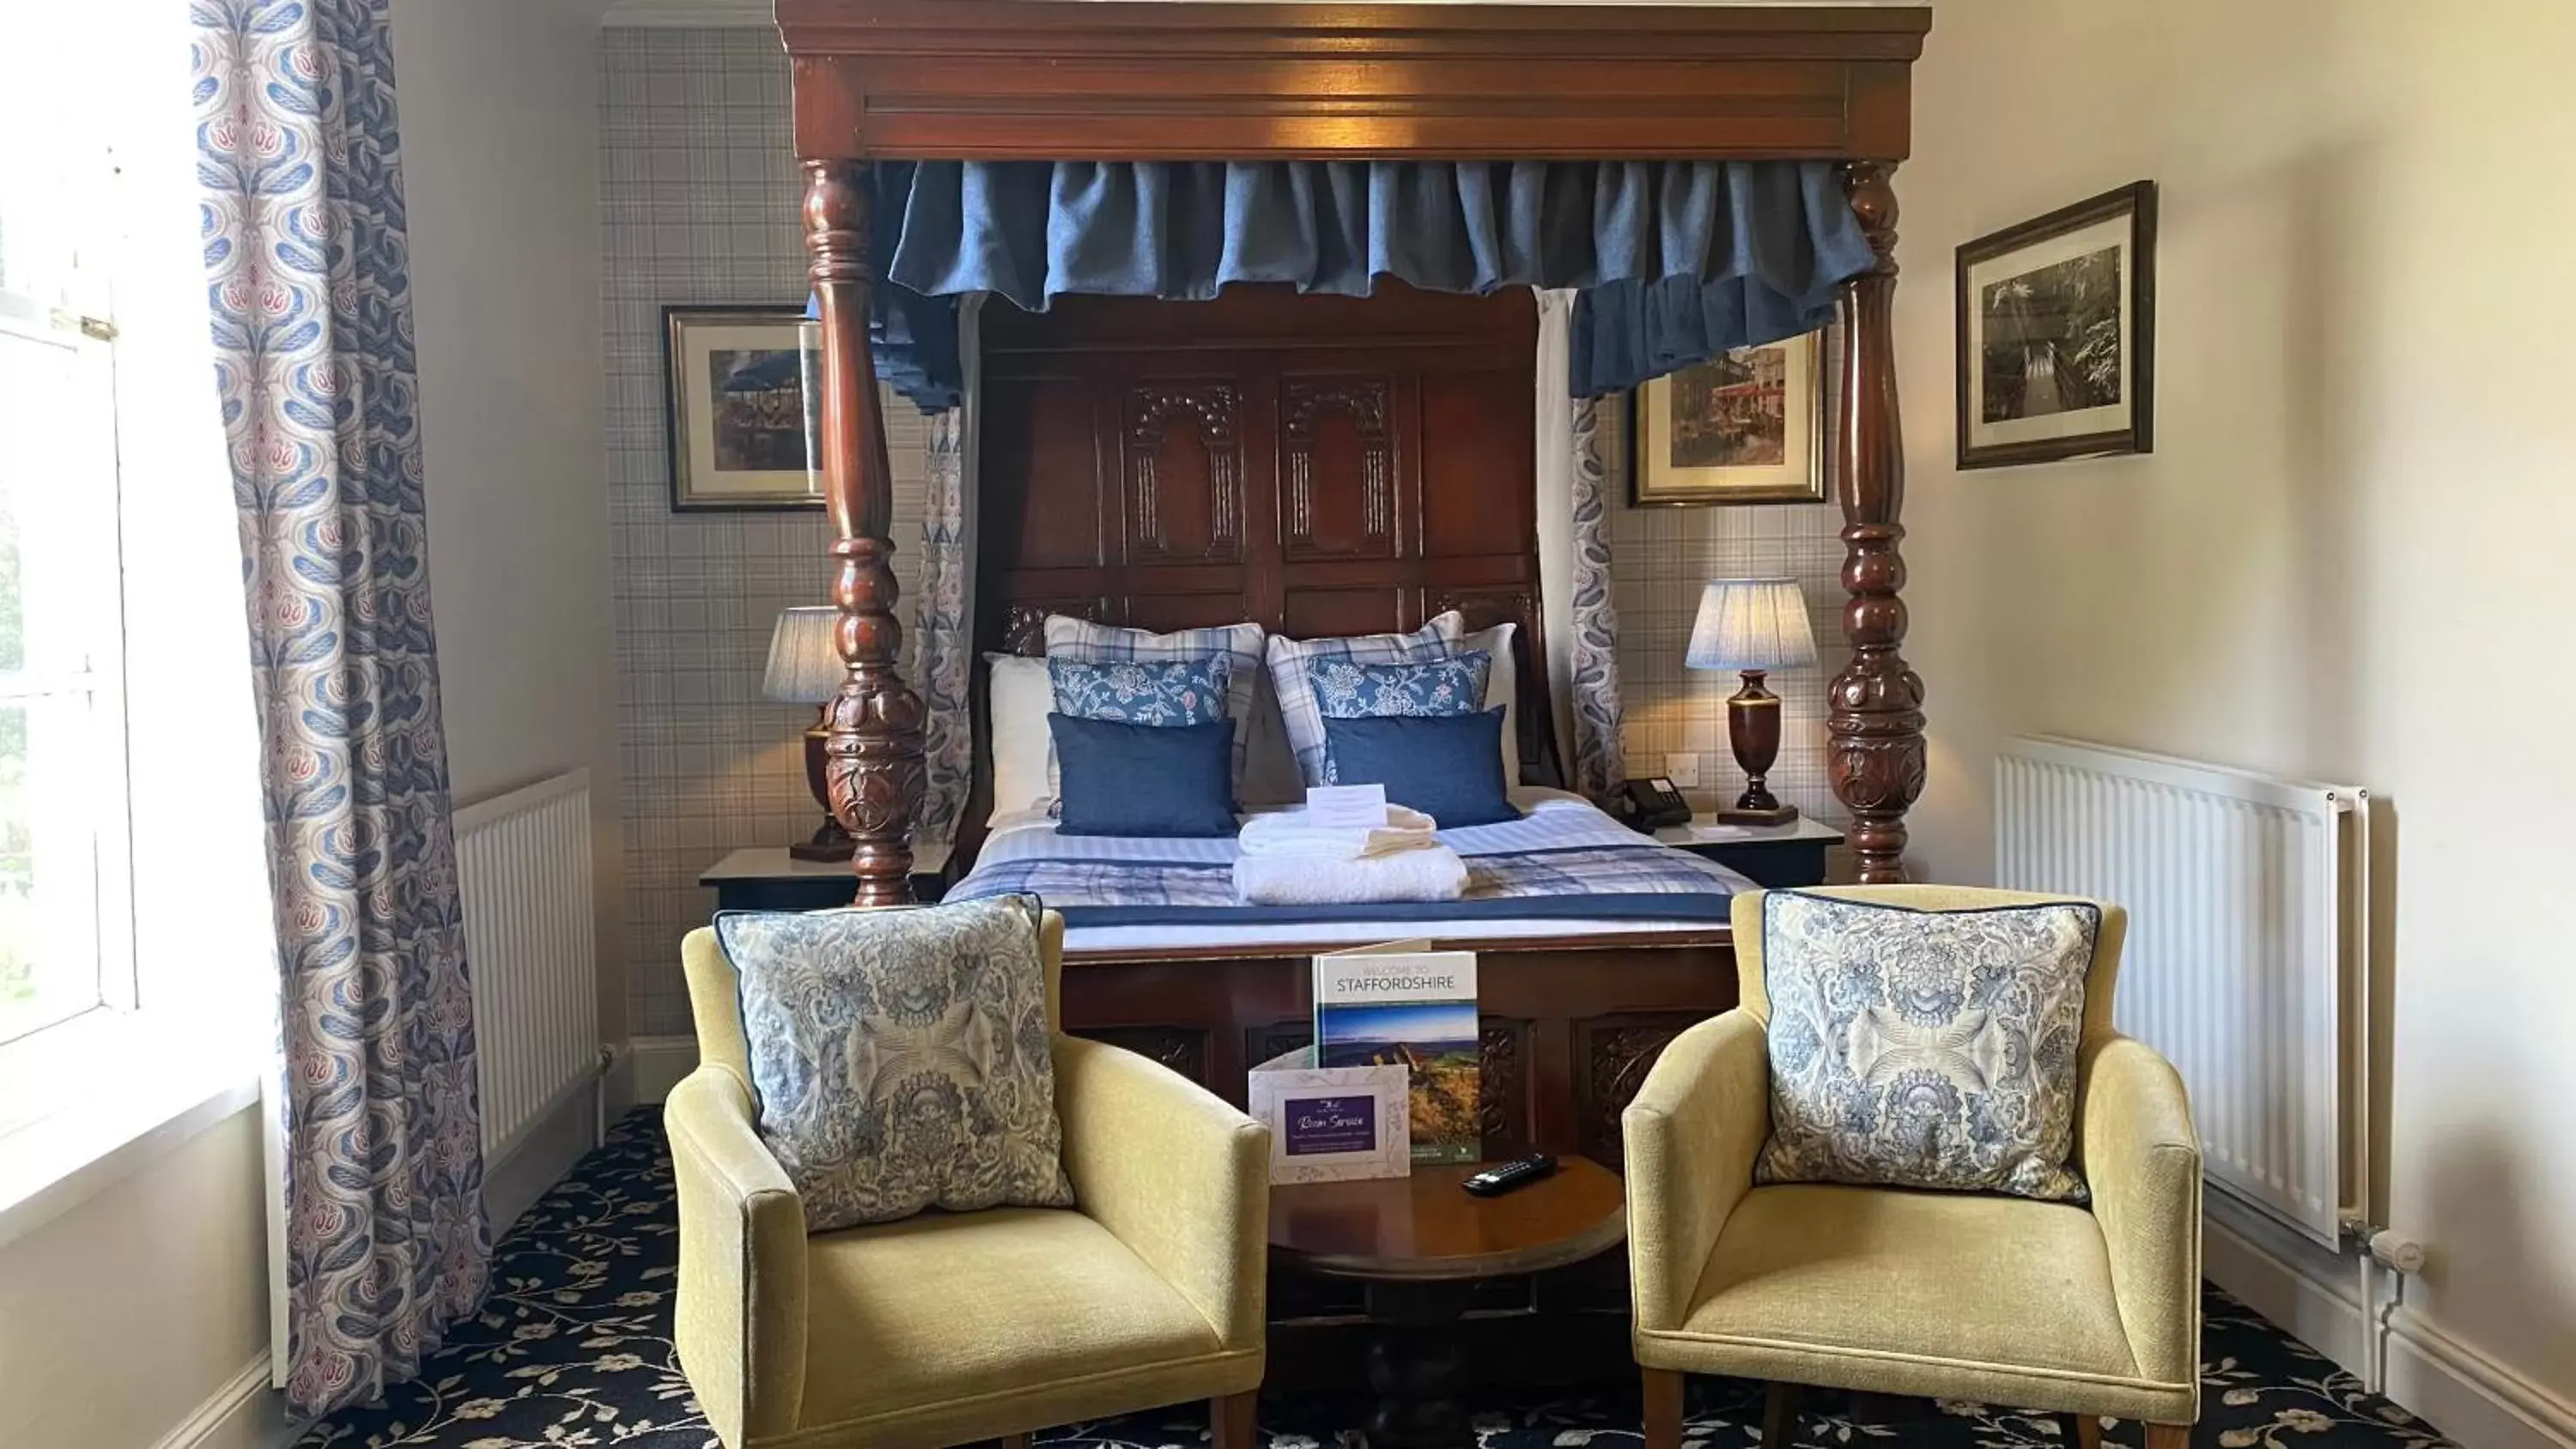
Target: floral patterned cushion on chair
{"type": "Point", "coordinates": [902, 1057]}
{"type": "Point", "coordinates": [1932, 1049]}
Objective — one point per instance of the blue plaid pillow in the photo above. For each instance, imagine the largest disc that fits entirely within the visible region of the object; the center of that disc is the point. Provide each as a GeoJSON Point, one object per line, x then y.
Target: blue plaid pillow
{"type": "Point", "coordinates": [1291, 673]}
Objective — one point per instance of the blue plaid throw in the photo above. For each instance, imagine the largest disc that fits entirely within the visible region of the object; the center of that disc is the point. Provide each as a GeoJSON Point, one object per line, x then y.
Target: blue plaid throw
{"type": "Point", "coordinates": [1637, 882]}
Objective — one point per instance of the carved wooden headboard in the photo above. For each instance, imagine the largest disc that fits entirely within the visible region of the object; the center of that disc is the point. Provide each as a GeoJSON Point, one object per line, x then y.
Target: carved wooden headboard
{"type": "Point", "coordinates": [1320, 465]}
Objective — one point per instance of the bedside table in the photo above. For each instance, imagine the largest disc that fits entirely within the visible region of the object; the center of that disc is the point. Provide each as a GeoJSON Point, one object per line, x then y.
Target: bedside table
{"type": "Point", "coordinates": [1773, 855]}
{"type": "Point", "coordinates": [767, 878]}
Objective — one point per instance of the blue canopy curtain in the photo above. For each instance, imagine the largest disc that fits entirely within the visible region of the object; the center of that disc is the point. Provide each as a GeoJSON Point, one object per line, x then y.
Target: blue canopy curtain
{"type": "Point", "coordinates": [302, 205]}
{"type": "Point", "coordinates": [1671, 263]}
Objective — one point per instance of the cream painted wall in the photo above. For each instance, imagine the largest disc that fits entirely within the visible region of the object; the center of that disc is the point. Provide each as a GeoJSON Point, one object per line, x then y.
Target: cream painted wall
{"type": "Point", "coordinates": [126, 1314]}
{"type": "Point", "coordinates": [500, 118]}
{"type": "Point", "coordinates": [2345, 558]}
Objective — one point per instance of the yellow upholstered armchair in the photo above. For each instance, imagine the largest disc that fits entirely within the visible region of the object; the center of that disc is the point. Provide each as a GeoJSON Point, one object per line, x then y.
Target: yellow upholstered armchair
{"type": "Point", "coordinates": [951, 1327]}
{"type": "Point", "coordinates": [2092, 1311]}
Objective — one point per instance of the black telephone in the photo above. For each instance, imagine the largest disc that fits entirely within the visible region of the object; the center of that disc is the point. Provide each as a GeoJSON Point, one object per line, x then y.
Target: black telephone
{"type": "Point", "coordinates": [1652, 804]}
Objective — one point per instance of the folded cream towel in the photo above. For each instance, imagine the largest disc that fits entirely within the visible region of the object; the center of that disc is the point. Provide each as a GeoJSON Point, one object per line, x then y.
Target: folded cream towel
{"type": "Point", "coordinates": [1286, 833]}
{"type": "Point", "coordinates": [1428, 873]}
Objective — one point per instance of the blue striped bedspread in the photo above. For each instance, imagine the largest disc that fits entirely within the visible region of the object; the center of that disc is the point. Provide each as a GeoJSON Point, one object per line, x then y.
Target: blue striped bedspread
{"type": "Point", "coordinates": [1564, 860]}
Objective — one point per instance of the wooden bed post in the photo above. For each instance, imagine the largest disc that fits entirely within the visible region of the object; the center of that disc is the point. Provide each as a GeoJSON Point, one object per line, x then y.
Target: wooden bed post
{"type": "Point", "coordinates": [873, 754]}
{"type": "Point", "coordinates": [1876, 719]}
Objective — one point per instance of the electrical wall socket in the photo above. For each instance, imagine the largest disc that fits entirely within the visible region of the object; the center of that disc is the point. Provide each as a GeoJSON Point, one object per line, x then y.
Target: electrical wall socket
{"type": "Point", "coordinates": [1682, 770]}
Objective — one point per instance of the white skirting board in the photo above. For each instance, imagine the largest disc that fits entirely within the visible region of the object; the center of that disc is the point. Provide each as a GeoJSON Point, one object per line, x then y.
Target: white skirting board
{"type": "Point", "coordinates": [543, 1152]}
{"type": "Point", "coordinates": [2450, 1384]}
{"type": "Point", "coordinates": [244, 1414]}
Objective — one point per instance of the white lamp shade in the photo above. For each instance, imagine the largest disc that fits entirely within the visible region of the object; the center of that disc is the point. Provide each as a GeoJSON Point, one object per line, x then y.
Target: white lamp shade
{"type": "Point", "coordinates": [1751, 624]}
{"type": "Point", "coordinates": [804, 668]}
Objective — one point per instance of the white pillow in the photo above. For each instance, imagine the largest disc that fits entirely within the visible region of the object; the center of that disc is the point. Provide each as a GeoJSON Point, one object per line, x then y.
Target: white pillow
{"type": "Point", "coordinates": [1021, 698]}
{"type": "Point", "coordinates": [1502, 686]}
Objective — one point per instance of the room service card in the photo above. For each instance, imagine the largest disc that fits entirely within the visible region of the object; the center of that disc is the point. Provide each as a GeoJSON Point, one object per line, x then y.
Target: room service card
{"type": "Point", "coordinates": [1346, 807]}
{"type": "Point", "coordinates": [1336, 1124]}
{"type": "Point", "coordinates": [1404, 1004]}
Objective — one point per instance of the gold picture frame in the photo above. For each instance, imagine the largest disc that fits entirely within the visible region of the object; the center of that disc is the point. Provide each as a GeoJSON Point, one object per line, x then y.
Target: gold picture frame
{"type": "Point", "coordinates": [1748, 427]}
{"type": "Point", "coordinates": [740, 402]}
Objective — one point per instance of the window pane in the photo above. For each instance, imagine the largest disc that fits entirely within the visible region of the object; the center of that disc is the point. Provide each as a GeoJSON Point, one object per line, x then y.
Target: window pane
{"type": "Point", "coordinates": [49, 843]}
{"type": "Point", "coordinates": [58, 559]}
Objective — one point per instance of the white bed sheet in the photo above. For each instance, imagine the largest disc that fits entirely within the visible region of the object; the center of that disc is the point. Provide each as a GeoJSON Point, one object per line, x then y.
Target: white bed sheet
{"type": "Point", "coordinates": [1552, 819]}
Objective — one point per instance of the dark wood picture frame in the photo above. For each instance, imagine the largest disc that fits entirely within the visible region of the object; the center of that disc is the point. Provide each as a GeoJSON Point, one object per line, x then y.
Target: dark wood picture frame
{"type": "Point", "coordinates": [2136, 204]}
{"type": "Point", "coordinates": [681, 421]}
{"type": "Point", "coordinates": [1808, 427]}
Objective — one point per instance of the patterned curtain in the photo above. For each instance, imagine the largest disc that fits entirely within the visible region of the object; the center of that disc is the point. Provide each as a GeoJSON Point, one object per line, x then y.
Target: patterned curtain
{"type": "Point", "coordinates": [1599, 763]}
{"type": "Point", "coordinates": [943, 634]}
{"type": "Point", "coordinates": [386, 1243]}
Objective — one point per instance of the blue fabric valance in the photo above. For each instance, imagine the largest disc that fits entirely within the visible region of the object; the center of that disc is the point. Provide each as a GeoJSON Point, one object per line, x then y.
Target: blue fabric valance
{"type": "Point", "coordinates": [1674, 262]}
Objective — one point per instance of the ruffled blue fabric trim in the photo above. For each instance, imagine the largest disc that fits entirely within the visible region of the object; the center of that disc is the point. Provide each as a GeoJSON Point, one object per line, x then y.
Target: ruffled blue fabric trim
{"type": "Point", "coordinates": [1676, 261]}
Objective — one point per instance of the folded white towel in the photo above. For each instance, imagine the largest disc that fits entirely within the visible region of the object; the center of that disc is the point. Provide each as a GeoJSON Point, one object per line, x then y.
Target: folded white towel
{"type": "Point", "coordinates": [1429, 873]}
{"type": "Point", "coordinates": [1286, 832]}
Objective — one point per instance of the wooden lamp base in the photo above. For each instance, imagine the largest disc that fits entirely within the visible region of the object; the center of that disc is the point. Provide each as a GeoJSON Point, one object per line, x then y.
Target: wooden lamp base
{"type": "Point", "coordinates": [829, 841]}
{"type": "Point", "coordinates": [1753, 731]}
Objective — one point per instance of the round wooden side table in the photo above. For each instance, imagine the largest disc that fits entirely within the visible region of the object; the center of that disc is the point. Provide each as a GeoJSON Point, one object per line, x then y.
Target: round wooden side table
{"type": "Point", "coordinates": [1418, 1244]}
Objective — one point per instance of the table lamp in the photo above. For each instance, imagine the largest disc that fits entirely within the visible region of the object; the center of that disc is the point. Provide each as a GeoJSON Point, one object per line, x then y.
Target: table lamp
{"type": "Point", "coordinates": [1753, 625]}
{"type": "Point", "coordinates": [805, 668]}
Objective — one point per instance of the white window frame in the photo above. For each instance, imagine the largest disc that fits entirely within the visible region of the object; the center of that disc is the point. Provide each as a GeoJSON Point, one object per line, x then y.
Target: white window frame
{"type": "Point", "coordinates": [173, 1044]}
{"type": "Point", "coordinates": [72, 311]}
{"type": "Point", "coordinates": [118, 989]}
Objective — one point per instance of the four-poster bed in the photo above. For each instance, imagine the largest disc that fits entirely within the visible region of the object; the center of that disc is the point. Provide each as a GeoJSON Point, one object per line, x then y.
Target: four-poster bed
{"type": "Point", "coordinates": [1572, 1019]}
{"type": "Point", "coordinates": [1105, 80]}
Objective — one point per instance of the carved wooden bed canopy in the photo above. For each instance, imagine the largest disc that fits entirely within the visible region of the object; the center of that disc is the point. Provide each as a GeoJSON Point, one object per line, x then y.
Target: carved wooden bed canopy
{"type": "Point", "coordinates": [1106, 80]}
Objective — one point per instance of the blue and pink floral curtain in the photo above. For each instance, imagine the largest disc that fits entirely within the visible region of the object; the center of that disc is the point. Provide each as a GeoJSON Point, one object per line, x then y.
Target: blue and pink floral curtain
{"type": "Point", "coordinates": [943, 627]}
{"type": "Point", "coordinates": [385, 1238]}
{"type": "Point", "coordinates": [1599, 762]}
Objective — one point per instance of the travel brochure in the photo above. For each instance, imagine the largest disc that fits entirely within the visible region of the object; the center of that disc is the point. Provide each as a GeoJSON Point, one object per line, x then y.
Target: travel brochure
{"type": "Point", "coordinates": [1391, 1079]}
{"type": "Point", "coordinates": [1404, 1004]}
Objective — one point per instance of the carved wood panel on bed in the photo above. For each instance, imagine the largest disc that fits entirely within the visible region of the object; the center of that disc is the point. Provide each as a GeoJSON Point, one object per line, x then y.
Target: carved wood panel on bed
{"type": "Point", "coordinates": [1320, 465]}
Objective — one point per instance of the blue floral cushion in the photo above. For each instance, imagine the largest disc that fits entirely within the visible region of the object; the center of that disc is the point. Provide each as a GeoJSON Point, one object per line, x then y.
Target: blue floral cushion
{"type": "Point", "coordinates": [1351, 689]}
{"type": "Point", "coordinates": [902, 1057]}
{"type": "Point", "coordinates": [1918, 1048]}
{"type": "Point", "coordinates": [1292, 662]}
{"type": "Point", "coordinates": [1071, 638]}
{"type": "Point", "coordinates": [1159, 692]}
{"type": "Point", "coordinates": [1431, 688]}
{"type": "Point", "coordinates": [1142, 692]}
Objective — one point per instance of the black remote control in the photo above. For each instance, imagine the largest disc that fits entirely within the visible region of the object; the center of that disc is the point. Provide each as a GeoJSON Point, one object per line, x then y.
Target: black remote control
{"type": "Point", "coordinates": [1495, 1181]}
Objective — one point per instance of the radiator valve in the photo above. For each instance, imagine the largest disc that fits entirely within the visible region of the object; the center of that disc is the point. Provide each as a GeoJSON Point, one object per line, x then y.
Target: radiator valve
{"type": "Point", "coordinates": [2397, 1253]}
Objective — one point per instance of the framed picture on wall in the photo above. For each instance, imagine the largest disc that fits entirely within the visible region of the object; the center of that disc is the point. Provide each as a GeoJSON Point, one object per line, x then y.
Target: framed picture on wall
{"type": "Point", "coordinates": [2057, 334]}
{"type": "Point", "coordinates": [1748, 427]}
{"type": "Point", "coordinates": [738, 405]}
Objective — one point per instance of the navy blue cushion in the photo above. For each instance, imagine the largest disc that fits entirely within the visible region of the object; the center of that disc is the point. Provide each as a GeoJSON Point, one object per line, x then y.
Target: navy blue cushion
{"type": "Point", "coordinates": [1142, 779]}
{"type": "Point", "coordinates": [1449, 767]}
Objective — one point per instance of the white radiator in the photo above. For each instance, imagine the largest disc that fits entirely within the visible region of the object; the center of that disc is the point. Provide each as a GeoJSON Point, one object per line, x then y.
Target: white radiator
{"type": "Point", "coordinates": [2247, 961]}
{"type": "Point", "coordinates": [524, 865]}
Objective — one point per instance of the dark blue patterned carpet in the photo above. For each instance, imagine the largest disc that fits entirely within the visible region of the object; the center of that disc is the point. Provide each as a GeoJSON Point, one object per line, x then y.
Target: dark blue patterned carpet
{"type": "Point", "coordinates": [574, 1352]}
